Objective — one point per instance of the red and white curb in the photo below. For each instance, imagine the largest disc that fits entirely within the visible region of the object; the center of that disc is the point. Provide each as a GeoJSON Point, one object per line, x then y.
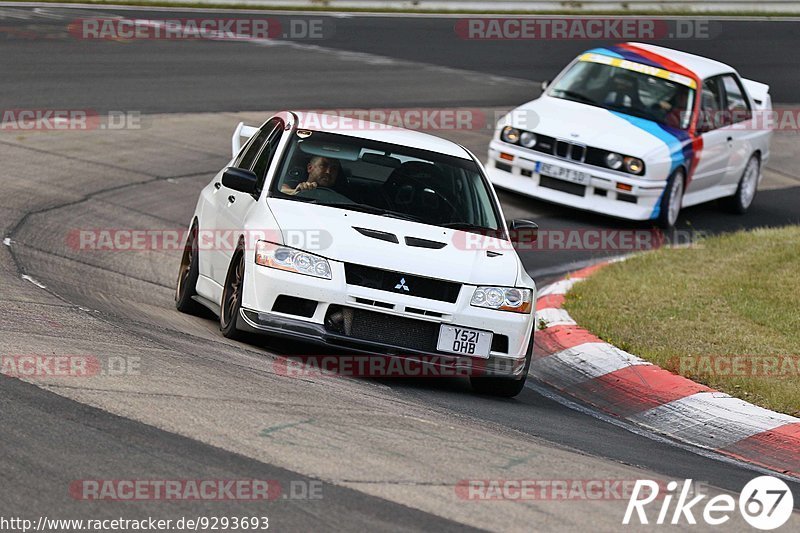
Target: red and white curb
{"type": "Point", "coordinates": [572, 360]}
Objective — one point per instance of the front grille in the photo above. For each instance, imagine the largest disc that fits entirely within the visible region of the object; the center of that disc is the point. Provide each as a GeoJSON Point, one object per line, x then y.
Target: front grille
{"type": "Point", "coordinates": [571, 151]}
{"type": "Point", "coordinates": [399, 283]}
{"type": "Point", "coordinates": [370, 326]}
{"type": "Point", "coordinates": [545, 144]}
{"type": "Point", "coordinates": [596, 157]}
{"type": "Point", "coordinates": [403, 332]}
{"type": "Point", "coordinates": [561, 185]}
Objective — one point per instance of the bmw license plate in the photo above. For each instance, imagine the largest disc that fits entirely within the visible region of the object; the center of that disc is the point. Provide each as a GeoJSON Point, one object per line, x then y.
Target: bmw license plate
{"type": "Point", "coordinates": [567, 174]}
{"type": "Point", "coordinates": [472, 342]}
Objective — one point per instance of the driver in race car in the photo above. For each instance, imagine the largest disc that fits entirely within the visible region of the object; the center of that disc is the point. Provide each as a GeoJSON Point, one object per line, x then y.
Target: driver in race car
{"type": "Point", "coordinates": [322, 172]}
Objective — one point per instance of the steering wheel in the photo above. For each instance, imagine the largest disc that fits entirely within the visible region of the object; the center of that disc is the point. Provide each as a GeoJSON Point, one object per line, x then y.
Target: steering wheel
{"type": "Point", "coordinates": [420, 185]}
{"type": "Point", "coordinates": [325, 193]}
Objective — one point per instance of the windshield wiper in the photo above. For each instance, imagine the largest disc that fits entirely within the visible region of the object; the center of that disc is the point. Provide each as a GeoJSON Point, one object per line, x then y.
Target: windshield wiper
{"type": "Point", "coordinates": [466, 226]}
{"type": "Point", "coordinates": [572, 95]}
{"type": "Point", "coordinates": [371, 209]}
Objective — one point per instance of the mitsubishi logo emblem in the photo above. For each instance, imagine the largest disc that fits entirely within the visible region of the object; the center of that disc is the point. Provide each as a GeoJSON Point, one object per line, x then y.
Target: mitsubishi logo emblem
{"type": "Point", "coordinates": [402, 285]}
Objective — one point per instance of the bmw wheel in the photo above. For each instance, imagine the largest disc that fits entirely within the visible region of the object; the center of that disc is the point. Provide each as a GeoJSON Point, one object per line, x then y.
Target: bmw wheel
{"type": "Point", "coordinates": [740, 202]}
{"type": "Point", "coordinates": [671, 201]}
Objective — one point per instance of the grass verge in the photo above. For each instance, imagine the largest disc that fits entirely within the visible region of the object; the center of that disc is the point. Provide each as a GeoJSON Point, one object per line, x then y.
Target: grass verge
{"type": "Point", "coordinates": [725, 313]}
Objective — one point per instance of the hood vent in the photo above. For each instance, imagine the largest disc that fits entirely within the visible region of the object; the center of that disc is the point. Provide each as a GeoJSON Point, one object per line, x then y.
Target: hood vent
{"type": "Point", "coordinates": [424, 243]}
{"type": "Point", "coordinates": [380, 235]}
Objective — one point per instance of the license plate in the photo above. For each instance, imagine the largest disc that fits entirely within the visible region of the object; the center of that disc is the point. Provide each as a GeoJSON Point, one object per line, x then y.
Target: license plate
{"type": "Point", "coordinates": [567, 174]}
{"type": "Point", "coordinates": [454, 339]}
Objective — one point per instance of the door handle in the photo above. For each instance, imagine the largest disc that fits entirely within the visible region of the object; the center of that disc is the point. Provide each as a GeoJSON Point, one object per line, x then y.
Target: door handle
{"type": "Point", "coordinates": [730, 139]}
{"type": "Point", "coordinates": [231, 199]}
{"type": "Point", "coordinates": [217, 185]}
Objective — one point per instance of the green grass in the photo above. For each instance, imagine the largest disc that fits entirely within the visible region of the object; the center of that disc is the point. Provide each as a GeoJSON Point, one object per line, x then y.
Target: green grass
{"type": "Point", "coordinates": [733, 295]}
{"type": "Point", "coordinates": [322, 5]}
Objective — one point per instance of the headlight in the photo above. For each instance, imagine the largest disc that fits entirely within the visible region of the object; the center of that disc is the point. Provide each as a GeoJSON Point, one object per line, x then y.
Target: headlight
{"type": "Point", "coordinates": [527, 139]}
{"type": "Point", "coordinates": [614, 160]}
{"type": "Point", "coordinates": [285, 258]}
{"type": "Point", "coordinates": [634, 165]}
{"type": "Point", "coordinates": [503, 298]}
{"type": "Point", "coordinates": [510, 135]}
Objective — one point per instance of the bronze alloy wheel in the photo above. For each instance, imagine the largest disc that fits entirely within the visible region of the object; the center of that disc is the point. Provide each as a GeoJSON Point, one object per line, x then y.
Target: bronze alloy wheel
{"type": "Point", "coordinates": [232, 297]}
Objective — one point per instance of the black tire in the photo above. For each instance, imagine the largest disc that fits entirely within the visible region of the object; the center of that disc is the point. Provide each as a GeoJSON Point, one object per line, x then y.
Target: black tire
{"type": "Point", "coordinates": [188, 273]}
{"type": "Point", "coordinates": [741, 201]}
{"type": "Point", "coordinates": [503, 387]}
{"type": "Point", "coordinates": [232, 297]}
{"type": "Point", "coordinates": [670, 210]}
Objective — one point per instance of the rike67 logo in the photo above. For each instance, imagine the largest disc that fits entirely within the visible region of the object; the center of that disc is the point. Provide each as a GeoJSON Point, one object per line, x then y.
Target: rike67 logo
{"type": "Point", "coordinates": [765, 503]}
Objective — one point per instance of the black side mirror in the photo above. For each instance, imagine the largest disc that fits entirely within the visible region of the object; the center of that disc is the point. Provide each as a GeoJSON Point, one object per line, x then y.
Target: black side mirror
{"type": "Point", "coordinates": [240, 180]}
{"type": "Point", "coordinates": [523, 231]}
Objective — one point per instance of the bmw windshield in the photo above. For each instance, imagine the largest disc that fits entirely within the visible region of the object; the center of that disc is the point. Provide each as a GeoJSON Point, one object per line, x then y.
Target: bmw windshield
{"type": "Point", "coordinates": [385, 179]}
{"type": "Point", "coordinates": [638, 90]}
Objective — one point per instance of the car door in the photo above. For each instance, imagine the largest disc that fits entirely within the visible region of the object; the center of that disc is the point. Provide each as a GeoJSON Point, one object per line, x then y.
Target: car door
{"type": "Point", "coordinates": [227, 209]}
{"type": "Point", "coordinates": [239, 204]}
{"type": "Point", "coordinates": [741, 129]}
{"type": "Point", "coordinates": [717, 142]}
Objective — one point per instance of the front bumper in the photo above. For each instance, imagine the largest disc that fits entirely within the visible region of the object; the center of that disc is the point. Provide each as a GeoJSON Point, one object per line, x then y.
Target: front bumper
{"type": "Point", "coordinates": [264, 285]}
{"type": "Point", "coordinates": [601, 195]}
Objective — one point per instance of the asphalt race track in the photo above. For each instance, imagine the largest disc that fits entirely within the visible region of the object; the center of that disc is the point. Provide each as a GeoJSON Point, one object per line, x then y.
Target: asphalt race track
{"type": "Point", "coordinates": [384, 454]}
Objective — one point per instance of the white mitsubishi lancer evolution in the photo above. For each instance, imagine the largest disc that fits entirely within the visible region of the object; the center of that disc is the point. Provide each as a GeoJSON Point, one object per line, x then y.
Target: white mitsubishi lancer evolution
{"type": "Point", "coordinates": [362, 236]}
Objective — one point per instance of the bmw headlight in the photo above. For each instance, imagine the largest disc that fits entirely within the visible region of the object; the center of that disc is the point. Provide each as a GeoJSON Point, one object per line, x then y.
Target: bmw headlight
{"type": "Point", "coordinates": [527, 139]}
{"type": "Point", "coordinates": [284, 258]}
{"type": "Point", "coordinates": [634, 165]}
{"type": "Point", "coordinates": [503, 299]}
{"type": "Point", "coordinates": [510, 135]}
{"type": "Point", "coordinates": [614, 160]}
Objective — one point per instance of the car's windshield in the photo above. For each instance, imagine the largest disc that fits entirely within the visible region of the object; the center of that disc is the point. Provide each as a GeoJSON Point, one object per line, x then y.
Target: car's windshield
{"type": "Point", "coordinates": [637, 90]}
{"type": "Point", "coordinates": [385, 179]}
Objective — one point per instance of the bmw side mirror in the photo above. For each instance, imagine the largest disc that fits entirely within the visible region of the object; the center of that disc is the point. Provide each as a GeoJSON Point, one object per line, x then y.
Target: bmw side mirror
{"type": "Point", "coordinates": [240, 180]}
{"type": "Point", "coordinates": [545, 85]}
{"type": "Point", "coordinates": [523, 231]}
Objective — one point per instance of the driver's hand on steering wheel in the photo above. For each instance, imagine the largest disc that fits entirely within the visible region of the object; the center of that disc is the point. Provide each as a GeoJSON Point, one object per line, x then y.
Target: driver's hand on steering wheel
{"type": "Point", "coordinates": [304, 186]}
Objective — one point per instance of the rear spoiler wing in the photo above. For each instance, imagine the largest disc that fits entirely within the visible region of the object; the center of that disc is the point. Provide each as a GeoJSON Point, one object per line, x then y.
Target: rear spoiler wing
{"type": "Point", "coordinates": [241, 131]}
{"type": "Point", "coordinates": [759, 92]}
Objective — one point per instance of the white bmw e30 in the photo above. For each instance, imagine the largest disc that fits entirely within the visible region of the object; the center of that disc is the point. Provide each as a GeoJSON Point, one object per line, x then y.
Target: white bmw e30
{"type": "Point", "coordinates": [388, 270]}
{"type": "Point", "coordinates": [637, 131]}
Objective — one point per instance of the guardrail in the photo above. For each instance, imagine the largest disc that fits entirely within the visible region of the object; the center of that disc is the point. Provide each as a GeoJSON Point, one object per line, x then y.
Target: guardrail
{"type": "Point", "coordinates": [499, 6]}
